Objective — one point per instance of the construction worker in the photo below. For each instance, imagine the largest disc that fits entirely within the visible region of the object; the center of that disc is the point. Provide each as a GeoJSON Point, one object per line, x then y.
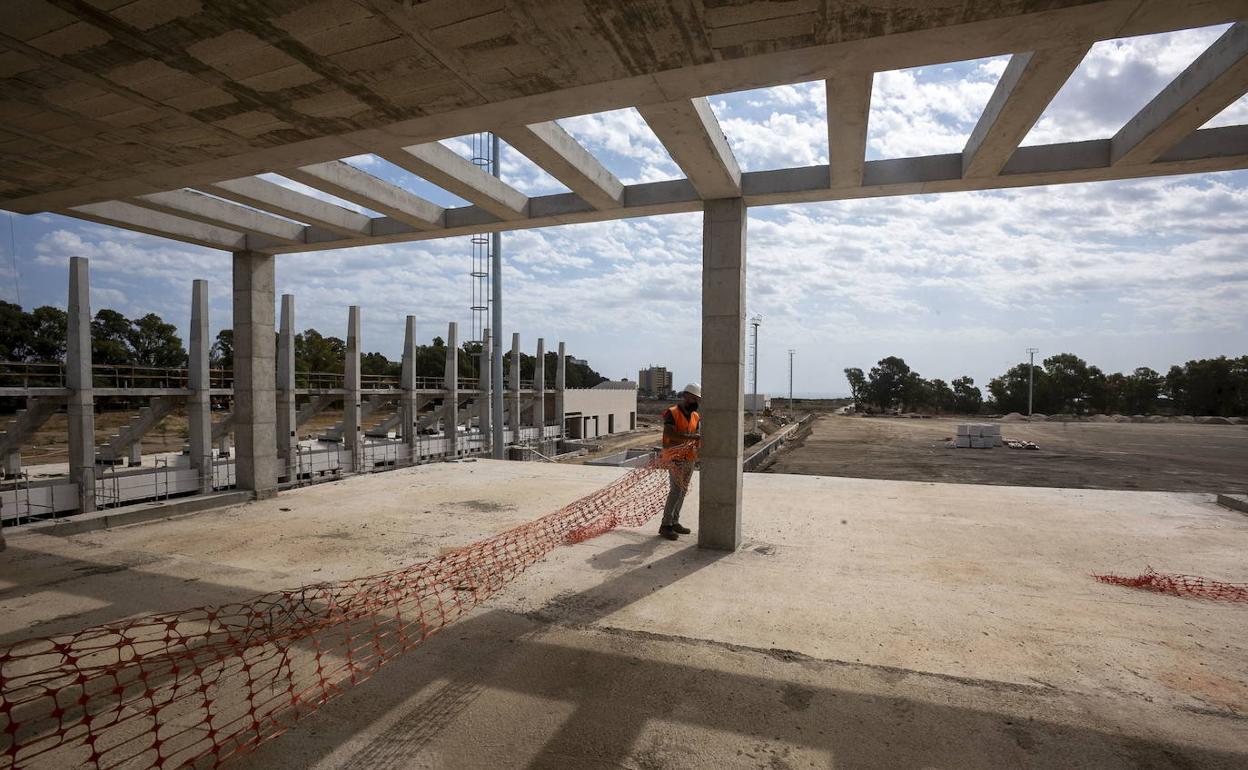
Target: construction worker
{"type": "Point", "coordinates": [680, 427]}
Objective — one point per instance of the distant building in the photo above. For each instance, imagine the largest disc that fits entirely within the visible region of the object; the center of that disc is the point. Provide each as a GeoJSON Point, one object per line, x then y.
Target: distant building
{"type": "Point", "coordinates": [757, 402]}
{"type": "Point", "coordinates": [655, 381]}
{"type": "Point", "coordinates": [578, 361]}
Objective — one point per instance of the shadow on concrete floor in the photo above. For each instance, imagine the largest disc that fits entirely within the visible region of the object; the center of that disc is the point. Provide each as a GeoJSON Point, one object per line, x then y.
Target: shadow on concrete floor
{"type": "Point", "coordinates": [755, 705]}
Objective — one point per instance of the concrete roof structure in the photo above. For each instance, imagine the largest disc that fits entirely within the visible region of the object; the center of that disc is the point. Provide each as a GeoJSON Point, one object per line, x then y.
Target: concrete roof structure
{"type": "Point", "coordinates": [157, 116]}
{"type": "Point", "coordinates": [865, 624]}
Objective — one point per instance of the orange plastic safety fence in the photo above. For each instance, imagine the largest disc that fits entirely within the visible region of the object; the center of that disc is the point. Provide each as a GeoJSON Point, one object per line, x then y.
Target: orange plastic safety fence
{"type": "Point", "coordinates": [1181, 585]}
{"type": "Point", "coordinates": [195, 687]}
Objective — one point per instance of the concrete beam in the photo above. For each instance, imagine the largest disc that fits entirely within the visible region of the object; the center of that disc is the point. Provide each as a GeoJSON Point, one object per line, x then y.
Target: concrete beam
{"type": "Point", "coordinates": [1206, 150]}
{"type": "Point", "coordinates": [949, 38]}
{"type": "Point", "coordinates": [1029, 83]}
{"type": "Point", "coordinates": [255, 376]}
{"type": "Point", "coordinates": [442, 166]}
{"type": "Point", "coordinates": [352, 415]}
{"type": "Point", "coordinates": [266, 195]}
{"type": "Point", "coordinates": [213, 211]}
{"type": "Point", "coordinates": [560, 155]}
{"type": "Point", "coordinates": [1218, 77]}
{"type": "Point", "coordinates": [723, 374]}
{"type": "Point", "coordinates": [349, 183]}
{"type": "Point", "coordinates": [450, 404]}
{"type": "Point", "coordinates": [81, 402]}
{"type": "Point", "coordinates": [287, 415]}
{"type": "Point", "coordinates": [199, 405]}
{"type": "Point", "coordinates": [692, 136]}
{"type": "Point", "coordinates": [144, 220]}
{"type": "Point", "coordinates": [849, 109]}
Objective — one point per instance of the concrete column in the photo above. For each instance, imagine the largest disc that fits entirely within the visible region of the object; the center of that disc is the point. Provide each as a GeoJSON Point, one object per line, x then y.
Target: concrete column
{"type": "Point", "coordinates": [352, 432]}
{"type": "Point", "coordinates": [134, 456]}
{"type": "Point", "coordinates": [81, 405]}
{"type": "Point", "coordinates": [513, 405]}
{"type": "Point", "coordinates": [199, 405]}
{"type": "Point", "coordinates": [539, 390]}
{"type": "Point", "coordinates": [287, 421]}
{"type": "Point", "coordinates": [561, 381]}
{"type": "Point", "coordinates": [13, 463]}
{"type": "Point", "coordinates": [255, 375]}
{"type": "Point", "coordinates": [408, 405]}
{"type": "Point", "coordinates": [484, 410]}
{"type": "Point", "coordinates": [450, 405]}
{"type": "Point", "coordinates": [723, 373]}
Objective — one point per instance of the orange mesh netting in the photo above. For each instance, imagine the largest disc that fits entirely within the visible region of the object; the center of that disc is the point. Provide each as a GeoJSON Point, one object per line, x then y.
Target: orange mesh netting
{"type": "Point", "coordinates": [1181, 585]}
{"type": "Point", "coordinates": [195, 687]}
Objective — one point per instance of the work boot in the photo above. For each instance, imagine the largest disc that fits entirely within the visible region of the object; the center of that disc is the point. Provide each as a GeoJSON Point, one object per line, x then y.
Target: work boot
{"type": "Point", "coordinates": [668, 533]}
{"type": "Point", "coordinates": [680, 530]}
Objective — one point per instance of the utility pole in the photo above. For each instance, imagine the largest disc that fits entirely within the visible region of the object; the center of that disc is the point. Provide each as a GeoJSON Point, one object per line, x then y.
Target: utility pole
{"type": "Point", "coordinates": [791, 352]}
{"type": "Point", "coordinates": [1031, 375]}
{"type": "Point", "coordinates": [755, 321]}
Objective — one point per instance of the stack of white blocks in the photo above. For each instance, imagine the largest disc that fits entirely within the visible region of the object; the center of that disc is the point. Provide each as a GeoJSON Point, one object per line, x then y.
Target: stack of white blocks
{"type": "Point", "coordinates": [976, 436]}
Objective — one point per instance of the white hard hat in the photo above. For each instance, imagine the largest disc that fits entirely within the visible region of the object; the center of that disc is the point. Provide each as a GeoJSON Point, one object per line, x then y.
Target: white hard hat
{"type": "Point", "coordinates": [693, 389]}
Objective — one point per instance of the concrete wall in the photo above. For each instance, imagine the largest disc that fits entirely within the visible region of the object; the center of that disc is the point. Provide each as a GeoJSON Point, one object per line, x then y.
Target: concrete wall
{"type": "Point", "coordinates": [607, 410]}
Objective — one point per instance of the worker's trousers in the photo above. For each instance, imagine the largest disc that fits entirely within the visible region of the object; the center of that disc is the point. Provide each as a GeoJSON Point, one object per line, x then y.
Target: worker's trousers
{"type": "Point", "coordinates": [679, 477]}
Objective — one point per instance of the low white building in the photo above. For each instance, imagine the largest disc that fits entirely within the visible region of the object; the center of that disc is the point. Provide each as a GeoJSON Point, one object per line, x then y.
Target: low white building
{"type": "Point", "coordinates": [592, 412]}
{"type": "Point", "coordinates": [757, 402]}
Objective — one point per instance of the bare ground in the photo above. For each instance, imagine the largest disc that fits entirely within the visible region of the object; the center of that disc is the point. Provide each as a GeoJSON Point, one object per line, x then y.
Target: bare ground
{"type": "Point", "coordinates": [1155, 457]}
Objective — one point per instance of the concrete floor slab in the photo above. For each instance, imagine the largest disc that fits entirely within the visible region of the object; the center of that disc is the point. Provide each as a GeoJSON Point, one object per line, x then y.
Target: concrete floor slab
{"type": "Point", "coordinates": [865, 624]}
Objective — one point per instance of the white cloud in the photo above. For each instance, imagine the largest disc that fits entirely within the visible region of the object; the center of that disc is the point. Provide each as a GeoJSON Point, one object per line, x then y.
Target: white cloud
{"type": "Point", "coordinates": [1115, 80]}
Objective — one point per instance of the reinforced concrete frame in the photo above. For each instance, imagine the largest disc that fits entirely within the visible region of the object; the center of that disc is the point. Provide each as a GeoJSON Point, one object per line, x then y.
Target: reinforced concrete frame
{"type": "Point", "coordinates": [1163, 138]}
{"type": "Point", "coordinates": [265, 388]}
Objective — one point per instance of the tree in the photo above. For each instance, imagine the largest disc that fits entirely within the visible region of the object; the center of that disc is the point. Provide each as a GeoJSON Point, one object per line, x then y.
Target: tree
{"type": "Point", "coordinates": [1140, 390]}
{"type": "Point", "coordinates": [155, 343]}
{"type": "Point", "coordinates": [14, 332]}
{"type": "Point", "coordinates": [966, 397]}
{"type": "Point", "coordinates": [317, 353]}
{"type": "Point", "coordinates": [1067, 382]}
{"type": "Point", "coordinates": [887, 382]}
{"type": "Point", "coordinates": [1009, 391]}
{"type": "Point", "coordinates": [221, 355]}
{"type": "Point", "coordinates": [49, 332]}
{"type": "Point", "coordinates": [377, 364]}
{"type": "Point", "coordinates": [939, 396]}
{"type": "Point", "coordinates": [857, 385]}
{"type": "Point", "coordinates": [110, 338]}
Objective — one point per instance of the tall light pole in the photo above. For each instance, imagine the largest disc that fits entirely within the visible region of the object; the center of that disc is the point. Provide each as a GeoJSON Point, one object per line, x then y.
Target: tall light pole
{"type": "Point", "coordinates": [791, 352]}
{"type": "Point", "coordinates": [755, 321]}
{"type": "Point", "coordinates": [1031, 372]}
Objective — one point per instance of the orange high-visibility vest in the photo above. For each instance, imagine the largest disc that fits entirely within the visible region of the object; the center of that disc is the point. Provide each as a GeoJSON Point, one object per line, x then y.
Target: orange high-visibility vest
{"type": "Point", "coordinates": [682, 424]}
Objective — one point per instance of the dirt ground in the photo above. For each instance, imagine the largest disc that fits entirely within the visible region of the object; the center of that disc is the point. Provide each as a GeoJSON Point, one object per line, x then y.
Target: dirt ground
{"type": "Point", "coordinates": [1156, 457]}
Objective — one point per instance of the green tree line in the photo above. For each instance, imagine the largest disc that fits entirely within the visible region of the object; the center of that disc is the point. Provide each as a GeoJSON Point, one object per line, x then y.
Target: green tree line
{"type": "Point", "coordinates": [1063, 384]}
{"type": "Point", "coordinates": [39, 336]}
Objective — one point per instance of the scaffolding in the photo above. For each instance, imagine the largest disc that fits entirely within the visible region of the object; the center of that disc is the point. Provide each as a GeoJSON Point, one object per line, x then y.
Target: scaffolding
{"type": "Point", "coordinates": [482, 245]}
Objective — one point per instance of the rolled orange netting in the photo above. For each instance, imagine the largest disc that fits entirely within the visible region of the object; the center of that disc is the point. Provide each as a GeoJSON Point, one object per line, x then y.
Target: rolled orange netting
{"type": "Point", "coordinates": [196, 687]}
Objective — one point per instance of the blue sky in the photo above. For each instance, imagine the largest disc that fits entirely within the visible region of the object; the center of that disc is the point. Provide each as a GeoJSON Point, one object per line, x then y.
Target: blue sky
{"type": "Point", "coordinates": [1125, 274]}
